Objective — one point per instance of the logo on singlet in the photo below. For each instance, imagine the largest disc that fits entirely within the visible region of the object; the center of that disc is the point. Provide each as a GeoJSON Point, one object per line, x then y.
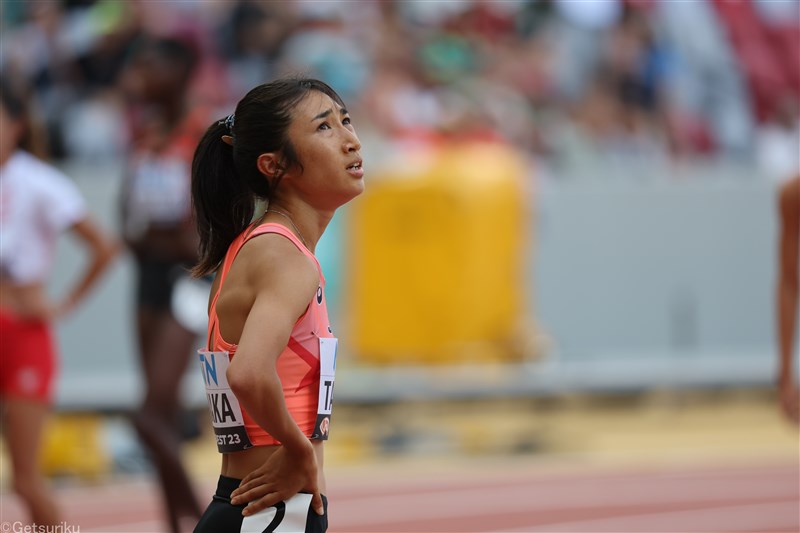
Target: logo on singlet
{"type": "Point", "coordinates": [319, 295]}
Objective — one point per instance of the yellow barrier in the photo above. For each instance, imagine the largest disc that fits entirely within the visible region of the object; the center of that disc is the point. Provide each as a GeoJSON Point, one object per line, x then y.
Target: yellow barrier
{"type": "Point", "coordinates": [73, 445]}
{"type": "Point", "coordinates": [438, 249]}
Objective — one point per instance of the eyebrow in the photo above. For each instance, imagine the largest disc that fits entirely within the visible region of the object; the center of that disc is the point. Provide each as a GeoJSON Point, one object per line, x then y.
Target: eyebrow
{"type": "Point", "coordinates": [342, 111]}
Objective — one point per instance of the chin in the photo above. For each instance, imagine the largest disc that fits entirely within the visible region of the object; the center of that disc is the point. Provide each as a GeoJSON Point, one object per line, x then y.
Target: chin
{"type": "Point", "coordinates": [352, 193]}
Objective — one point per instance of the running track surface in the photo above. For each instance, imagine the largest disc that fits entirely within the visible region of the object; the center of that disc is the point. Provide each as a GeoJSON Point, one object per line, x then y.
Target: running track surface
{"type": "Point", "coordinates": [510, 496]}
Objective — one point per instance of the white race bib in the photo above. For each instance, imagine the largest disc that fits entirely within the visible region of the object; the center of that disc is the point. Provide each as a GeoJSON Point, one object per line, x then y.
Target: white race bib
{"type": "Point", "coordinates": [226, 414]}
{"type": "Point", "coordinates": [327, 371]}
{"type": "Point", "coordinates": [290, 516]}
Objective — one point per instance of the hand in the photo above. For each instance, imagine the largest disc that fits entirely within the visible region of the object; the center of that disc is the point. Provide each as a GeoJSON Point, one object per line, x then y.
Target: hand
{"type": "Point", "coordinates": [282, 476]}
{"type": "Point", "coordinates": [789, 399]}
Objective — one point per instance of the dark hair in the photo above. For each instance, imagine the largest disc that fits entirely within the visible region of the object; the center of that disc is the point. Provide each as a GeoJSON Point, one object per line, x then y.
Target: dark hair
{"type": "Point", "coordinates": [179, 52]}
{"type": "Point", "coordinates": [15, 104]}
{"type": "Point", "coordinates": [226, 181]}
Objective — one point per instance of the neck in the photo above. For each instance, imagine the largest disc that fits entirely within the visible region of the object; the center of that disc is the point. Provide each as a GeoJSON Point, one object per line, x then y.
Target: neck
{"type": "Point", "coordinates": [310, 222]}
{"type": "Point", "coordinates": [6, 155]}
{"type": "Point", "coordinates": [170, 109]}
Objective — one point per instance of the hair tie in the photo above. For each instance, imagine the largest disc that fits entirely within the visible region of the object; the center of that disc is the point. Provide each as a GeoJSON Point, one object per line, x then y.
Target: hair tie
{"type": "Point", "coordinates": [228, 123]}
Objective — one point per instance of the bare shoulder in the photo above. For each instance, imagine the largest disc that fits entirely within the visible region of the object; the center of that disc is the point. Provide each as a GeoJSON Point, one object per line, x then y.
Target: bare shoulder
{"type": "Point", "coordinates": [273, 262]}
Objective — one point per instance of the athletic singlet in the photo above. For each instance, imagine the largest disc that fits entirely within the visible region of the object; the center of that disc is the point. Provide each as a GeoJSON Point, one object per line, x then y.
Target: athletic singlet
{"type": "Point", "coordinates": [298, 365]}
{"type": "Point", "coordinates": [157, 184]}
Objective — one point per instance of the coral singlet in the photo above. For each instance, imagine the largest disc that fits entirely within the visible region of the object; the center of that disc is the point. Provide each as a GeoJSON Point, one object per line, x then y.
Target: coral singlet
{"type": "Point", "coordinates": [298, 365]}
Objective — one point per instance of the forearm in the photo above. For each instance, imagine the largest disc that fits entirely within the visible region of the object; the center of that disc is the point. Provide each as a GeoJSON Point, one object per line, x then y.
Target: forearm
{"type": "Point", "coordinates": [101, 259]}
{"type": "Point", "coordinates": [263, 400]}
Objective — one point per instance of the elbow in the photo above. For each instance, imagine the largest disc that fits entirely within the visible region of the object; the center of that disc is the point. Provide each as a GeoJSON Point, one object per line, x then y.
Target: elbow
{"type": "Point", "coordinates": [242, 382]}
{"type": "Point", "coordinates": [111, 250]}
{"type": "Point", "coordinates": [105, 252]}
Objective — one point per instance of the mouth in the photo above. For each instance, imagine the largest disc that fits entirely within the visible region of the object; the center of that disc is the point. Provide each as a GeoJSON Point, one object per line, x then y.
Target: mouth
{"type": "Point", "coordinates": [356, 169]}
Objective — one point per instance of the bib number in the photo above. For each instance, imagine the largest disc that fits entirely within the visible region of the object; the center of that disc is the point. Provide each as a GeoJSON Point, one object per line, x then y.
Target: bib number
{"type": "Point", "coordinates": [290, 516]}
{"type": "Point", "coordinates": [226, 414]}
{"type": "Point", "coordinates": [327, 371]}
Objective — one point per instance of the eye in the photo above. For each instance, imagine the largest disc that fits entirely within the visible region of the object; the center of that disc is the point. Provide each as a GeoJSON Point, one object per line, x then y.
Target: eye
{"type": "Point", "coordinates": [346, 121]}
{"type": "Point", "coordinates": [324, 126]}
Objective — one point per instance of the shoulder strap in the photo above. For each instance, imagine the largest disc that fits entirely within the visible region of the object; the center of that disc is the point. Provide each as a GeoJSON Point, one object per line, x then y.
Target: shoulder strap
{"type": "Point", "coordinates": [233, 251]}
{"type": "Point", "coordinates": [280, 229]}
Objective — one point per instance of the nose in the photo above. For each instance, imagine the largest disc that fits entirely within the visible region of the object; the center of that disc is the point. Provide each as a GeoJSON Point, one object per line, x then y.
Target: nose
{"type": "Point", "coordinates": [351, 142]}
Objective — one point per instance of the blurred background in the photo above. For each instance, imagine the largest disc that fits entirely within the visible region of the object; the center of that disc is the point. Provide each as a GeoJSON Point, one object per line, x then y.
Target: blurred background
{"type": "Point", "coordinates": [567, 247]}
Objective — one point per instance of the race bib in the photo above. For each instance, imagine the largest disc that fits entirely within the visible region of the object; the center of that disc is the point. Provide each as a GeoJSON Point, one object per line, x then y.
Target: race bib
{"type": "Point", "coordinates": [327, 369]}
{"type": "Point", "coordinates": [290, 516]}
{"type": "Point", "coordinates": [226, 414]}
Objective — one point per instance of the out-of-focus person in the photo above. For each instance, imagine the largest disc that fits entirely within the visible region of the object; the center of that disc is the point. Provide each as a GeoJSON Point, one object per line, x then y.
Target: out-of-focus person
{"type": "Point", "coordinates": [37, 204]}
{"type": "Point", "coordinates": [158, 229]}
{"type": "Point", "coordinates": [788, 288]}
{"type": "Point", "coordinates": [777, 139]}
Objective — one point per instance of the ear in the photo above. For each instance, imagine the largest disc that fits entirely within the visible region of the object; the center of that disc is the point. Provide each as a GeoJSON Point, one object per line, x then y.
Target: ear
{"type": "Point", "coordinates": [268, 164]}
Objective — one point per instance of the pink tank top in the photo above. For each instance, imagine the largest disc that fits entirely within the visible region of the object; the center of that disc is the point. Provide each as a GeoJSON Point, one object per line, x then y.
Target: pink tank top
{"type": "Point", "coordinates": [299, 364]}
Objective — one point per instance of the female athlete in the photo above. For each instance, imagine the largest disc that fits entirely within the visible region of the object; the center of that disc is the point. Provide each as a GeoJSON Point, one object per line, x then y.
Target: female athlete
{"type": "Point", "coordinates": [270, 359]}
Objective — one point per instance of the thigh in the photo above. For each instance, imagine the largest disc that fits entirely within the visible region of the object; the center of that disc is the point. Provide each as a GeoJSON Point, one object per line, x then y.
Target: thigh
{"type": "Point", "coordinates": [167, 359]}
{"type": "Point", "coordinates": [23, 423]}
{"type": "Point", "coordinates": [292, 516]}
{"type": "Point", "coordinates": [220, 516]}
{"type": "Point", "coordinates": [28, 360]}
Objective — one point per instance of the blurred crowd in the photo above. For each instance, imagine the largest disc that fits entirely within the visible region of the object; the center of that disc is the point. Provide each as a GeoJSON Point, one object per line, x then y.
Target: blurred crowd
{"type": "Point", "coordinates": [573, 83]}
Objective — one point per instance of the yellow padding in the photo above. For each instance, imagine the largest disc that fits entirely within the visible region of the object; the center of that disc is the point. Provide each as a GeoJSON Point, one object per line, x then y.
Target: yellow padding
{"type": "Point", "coordinates": [73, 445]}
{"type": "Point", "coordinates": [437, 258]}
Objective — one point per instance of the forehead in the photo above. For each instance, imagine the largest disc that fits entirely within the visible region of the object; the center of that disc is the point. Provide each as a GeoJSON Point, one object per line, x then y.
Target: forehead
{"type": "Point", "coordinates": [314, 103]}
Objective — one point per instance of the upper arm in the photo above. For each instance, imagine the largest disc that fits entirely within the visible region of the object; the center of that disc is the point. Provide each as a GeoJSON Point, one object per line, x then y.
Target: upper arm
{"type": "Point", "coordinates": [284, 281]}
{"type": "Point", "coordinates": [62, 202]}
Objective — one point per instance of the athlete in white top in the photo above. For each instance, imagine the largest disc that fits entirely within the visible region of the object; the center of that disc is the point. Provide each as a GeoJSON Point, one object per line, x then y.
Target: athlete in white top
{"type": "Point", "coordinates": [37, 204]}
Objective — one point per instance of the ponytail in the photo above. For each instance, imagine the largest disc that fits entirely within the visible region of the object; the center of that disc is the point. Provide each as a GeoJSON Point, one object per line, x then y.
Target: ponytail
{"type": "Point", "coordinates": [223, 202]}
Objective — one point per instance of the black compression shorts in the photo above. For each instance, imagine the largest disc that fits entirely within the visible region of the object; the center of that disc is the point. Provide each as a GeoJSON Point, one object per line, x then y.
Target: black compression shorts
{"type": "Point", "coordinates": [292, 516]}
{"type": "Point", "coordinates": [156, 281]}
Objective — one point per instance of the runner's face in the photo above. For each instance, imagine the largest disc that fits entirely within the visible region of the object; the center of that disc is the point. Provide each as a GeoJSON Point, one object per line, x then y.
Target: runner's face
{"type": "Point", "coordinates": [329, 151]}
{"type": "Point", "coordinates": [11, 131]}
{"type": "Point", "coordinates": [153, 78]}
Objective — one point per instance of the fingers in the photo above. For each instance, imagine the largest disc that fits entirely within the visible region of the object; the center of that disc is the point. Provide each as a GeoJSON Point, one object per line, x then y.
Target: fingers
{"type": "Point", "coordinates": [258, 505]}
{"type": "Point", "coordinates": [245, 494]}
{"type": "Point", "coordinates": [317, 505]}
